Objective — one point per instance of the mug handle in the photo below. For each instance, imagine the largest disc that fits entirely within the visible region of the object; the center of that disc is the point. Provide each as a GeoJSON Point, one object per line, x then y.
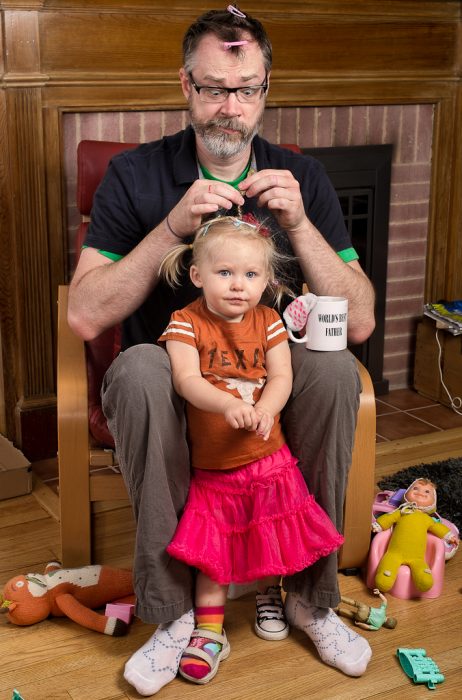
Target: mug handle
{"type": "Point", "coordinates": [296, 340]}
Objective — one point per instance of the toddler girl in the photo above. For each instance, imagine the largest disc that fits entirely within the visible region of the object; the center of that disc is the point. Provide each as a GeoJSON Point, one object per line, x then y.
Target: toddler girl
{"type": "Point", "coordinates": [249, 516]}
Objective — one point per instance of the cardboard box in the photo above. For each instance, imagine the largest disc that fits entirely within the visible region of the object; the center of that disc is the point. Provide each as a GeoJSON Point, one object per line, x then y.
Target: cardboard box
{"type": "Point", "coordinates": [15, 471]}
{"type": "Point", "coordinates": [427, 380]}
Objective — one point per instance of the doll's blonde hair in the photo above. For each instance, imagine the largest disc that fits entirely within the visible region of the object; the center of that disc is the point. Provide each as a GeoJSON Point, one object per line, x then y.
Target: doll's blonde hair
{"type": "Point", "coordinates": [210, 235]}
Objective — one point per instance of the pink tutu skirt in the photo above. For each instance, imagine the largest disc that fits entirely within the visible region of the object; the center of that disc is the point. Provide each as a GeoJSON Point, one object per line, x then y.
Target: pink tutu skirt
{"type": "Point", "coordinates": [259, 520]}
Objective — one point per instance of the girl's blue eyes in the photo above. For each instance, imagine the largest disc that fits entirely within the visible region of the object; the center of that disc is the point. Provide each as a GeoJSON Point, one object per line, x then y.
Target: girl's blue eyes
{"type": "Point", "coordinates": [226, 273]}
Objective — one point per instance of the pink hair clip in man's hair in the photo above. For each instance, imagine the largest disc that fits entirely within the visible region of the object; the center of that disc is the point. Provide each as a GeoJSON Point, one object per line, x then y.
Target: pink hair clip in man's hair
{"type": "Point", "coordinates": [228, 44]}
{"type": "Point", "coordinates": [235, 11]}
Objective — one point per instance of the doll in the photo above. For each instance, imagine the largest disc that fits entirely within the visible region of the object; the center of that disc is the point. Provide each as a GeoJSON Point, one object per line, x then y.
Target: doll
{"type": "Point", "coordinates": [408, 542]}
{"type": "Point", "coordinates": [367, 617]}
{"type": "Point", "coordinates": [69, 593]}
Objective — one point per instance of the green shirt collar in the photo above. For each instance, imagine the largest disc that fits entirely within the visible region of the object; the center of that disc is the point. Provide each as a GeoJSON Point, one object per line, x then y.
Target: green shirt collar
{"type": "Point", "coordinates": [234, 183]}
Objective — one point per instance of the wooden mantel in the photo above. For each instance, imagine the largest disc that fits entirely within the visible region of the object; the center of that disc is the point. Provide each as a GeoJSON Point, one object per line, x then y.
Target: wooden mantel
{"type": "Point", "coordinates": [62, 56]}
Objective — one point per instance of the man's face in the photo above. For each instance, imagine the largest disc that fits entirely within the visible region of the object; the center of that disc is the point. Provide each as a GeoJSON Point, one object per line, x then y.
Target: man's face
{"type": "Point", "coordinates": [227, 128]}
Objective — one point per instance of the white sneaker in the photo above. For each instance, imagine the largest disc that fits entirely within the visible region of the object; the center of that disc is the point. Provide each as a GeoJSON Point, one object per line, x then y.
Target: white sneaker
{"type": "Point", "coordinates": [270, 621]}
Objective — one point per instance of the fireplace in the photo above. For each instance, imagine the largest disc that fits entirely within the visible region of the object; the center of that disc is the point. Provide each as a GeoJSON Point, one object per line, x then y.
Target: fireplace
{"type": "Point", "coordinates": [361, 176]}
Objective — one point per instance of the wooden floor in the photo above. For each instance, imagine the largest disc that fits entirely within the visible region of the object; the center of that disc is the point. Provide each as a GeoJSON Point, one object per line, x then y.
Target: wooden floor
{"type": "Point", "coordinates": [58, 660]}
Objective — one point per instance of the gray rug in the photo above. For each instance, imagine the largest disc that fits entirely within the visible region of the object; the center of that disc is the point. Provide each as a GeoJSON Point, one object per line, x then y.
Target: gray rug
{"type": "Point", "coordinates": [447, 475]}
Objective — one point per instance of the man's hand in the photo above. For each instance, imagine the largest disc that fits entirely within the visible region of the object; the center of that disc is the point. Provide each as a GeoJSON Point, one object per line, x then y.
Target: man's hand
{"type": "Point", "coordinates": [278, 191]}
{"type": "Point", "coordinates": [203, 197]}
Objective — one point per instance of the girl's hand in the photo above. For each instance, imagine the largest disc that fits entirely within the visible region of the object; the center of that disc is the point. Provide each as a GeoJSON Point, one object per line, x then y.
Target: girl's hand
{"type": "Point", "coordinates": [239, 414]}
{"type": "Point", "coordinates": [265, 423]}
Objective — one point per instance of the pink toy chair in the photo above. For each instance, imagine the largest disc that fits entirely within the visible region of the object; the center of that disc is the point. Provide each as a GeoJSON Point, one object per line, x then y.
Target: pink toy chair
{"type": "Point", "coordinates": [404, 586]}
{"type": "Point", "coordinates": [387, 501]}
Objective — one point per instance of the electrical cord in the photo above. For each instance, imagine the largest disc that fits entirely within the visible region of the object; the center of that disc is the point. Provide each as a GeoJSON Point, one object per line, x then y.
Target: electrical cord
{"type": "Point", "coordinates": [456, 402]}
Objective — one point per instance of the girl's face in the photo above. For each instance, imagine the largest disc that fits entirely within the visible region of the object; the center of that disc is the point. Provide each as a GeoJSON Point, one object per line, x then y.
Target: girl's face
{"type": "Point", "coordinates": [233, 276]}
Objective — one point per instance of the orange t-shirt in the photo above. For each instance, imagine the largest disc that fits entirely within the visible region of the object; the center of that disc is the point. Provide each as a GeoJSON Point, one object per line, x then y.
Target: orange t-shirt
{"type": "Point", "coordinates": [232, 358]}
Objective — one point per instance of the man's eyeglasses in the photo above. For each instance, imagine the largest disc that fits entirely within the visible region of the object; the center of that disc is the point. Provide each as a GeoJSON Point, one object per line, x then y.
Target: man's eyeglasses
{"type": "Point", "coordinates": [209, 93]}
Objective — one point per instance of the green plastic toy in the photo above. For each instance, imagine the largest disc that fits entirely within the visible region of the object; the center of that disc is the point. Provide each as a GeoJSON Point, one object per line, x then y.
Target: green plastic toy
{"type": "Point", "coordinates": [418, 666]}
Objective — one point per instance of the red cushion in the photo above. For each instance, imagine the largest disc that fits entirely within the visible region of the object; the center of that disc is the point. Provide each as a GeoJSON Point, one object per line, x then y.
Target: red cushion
{"type": "Point", "coordinates": [92, 160]}
{"type": "Point", "coordinates": [99, 353]}
{"type": "Point", "coordinates": [292, 147]}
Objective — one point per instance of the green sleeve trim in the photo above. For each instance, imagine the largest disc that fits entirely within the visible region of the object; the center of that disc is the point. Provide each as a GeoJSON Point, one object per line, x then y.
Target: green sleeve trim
{"type": "Point", "coordinates": [112, 256]}
{"type": "Point", "coordinates": [348, 254]}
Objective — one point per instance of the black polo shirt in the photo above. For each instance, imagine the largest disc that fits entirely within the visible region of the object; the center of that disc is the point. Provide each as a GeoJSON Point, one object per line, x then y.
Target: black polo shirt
{"type": "Point", "coordinates": [143, 185]}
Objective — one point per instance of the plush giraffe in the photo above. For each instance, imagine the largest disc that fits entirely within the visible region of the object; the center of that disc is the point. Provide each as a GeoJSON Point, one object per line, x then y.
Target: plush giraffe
{"type": "Point", "coordinates": [73, 593]}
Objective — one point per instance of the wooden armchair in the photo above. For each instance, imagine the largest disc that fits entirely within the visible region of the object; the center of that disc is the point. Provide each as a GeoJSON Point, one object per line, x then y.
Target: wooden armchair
{"type": "Point", "coordinates": [84, 443]}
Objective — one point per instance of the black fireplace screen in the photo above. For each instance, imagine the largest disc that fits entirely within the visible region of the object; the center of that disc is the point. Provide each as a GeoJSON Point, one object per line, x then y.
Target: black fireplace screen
{"type": "Point", "coordinates": [361, 177]}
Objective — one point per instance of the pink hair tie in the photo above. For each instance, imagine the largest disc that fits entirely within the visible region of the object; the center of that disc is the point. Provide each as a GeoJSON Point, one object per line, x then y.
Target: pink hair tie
{"type": "Point", "coordinates": [251, 220]}
{"type": "Point", "coordinates": [234, 11]}
{"type": "Point", "coordinates": [228, 44]}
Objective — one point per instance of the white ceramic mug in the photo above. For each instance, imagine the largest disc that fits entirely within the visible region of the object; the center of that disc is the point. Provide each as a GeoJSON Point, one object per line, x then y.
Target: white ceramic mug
{"type": "Point", "coordinates": [326, 326]}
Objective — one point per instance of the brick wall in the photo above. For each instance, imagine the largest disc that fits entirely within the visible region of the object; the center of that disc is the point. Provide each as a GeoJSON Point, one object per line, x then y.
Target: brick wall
{"type": "Point", "coordinates": [408, 127]}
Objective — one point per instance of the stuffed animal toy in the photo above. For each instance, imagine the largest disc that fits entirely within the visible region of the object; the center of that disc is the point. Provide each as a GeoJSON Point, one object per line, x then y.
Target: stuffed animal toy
{"type": "Point", "coordinates": [408, 542]}
{"type": "Point", "coordinates": [73, 593]}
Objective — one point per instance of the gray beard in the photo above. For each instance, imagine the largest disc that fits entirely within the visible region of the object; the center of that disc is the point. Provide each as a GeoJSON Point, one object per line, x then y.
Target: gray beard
{"type": "Point", "coordinates": [223, 145]}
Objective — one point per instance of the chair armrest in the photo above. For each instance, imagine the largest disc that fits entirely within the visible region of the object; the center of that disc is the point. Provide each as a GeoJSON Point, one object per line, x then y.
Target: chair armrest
{"type": "Point", "coordinates": [73, 438]}
{"type": "Point", "coordinates": [361, 480]}
{"type": "Point", "coordinates": [72, 376]}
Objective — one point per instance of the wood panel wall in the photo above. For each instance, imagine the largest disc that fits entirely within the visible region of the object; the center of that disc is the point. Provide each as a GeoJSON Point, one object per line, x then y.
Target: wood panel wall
{"type": "Point", "coordinates": [59, 56]}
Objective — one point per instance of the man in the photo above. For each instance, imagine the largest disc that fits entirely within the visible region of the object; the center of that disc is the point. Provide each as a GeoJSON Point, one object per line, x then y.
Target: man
{"type": "Point", "coordinates": [154, 197]}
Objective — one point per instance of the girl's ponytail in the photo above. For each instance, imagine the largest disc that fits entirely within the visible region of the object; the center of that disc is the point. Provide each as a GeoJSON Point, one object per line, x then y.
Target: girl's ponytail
{"type": "Point", "coordinates": [173, 264]}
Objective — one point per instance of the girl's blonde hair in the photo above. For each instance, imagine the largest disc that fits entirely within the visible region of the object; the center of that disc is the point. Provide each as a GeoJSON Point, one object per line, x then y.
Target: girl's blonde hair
{"type": "Point", "coordinates": [210, 235]}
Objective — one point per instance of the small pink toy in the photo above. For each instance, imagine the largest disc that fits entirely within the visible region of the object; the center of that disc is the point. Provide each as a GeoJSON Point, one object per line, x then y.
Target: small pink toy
{"type": "Point", "coordinates": [296, 313]}
{"type": "Point", "coordinates": [123, 611]}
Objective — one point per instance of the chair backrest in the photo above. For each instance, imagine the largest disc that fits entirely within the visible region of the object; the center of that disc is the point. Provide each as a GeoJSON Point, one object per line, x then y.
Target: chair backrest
{"type": "Point", "coordinates": [92, 161]}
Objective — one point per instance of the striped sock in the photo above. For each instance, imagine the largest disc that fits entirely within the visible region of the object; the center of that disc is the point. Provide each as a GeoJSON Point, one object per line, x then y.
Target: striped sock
{"type": "Point", "coordinates": [211, 619]}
